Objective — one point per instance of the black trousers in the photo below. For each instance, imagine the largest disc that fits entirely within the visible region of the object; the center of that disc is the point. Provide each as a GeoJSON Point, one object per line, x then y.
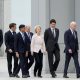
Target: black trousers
{"type": "Point", "coordinates": [23, 64]}
{"type": "Point", "coordinates": [9, 62]}
{"type": "Point", "coordinates": [38, 62]}
{"type": "Point", "coordinates": [29, 61]}
{"type": "Point", "coordinates": [67, 60]}
{"type": "Point", "coordinates": [53, 64]}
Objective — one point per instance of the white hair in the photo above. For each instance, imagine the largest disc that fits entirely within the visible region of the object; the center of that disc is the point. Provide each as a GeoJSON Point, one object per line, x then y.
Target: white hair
{"type": "Point", "coordinates": [72, 23]}
{"type": "Point", "coordinates": [37, 27]}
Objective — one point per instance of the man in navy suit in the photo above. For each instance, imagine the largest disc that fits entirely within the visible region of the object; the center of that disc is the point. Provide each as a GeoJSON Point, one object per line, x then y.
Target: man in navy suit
{"type": "Point", "coordinates": [21, 49]}
{"type": "Point", "coordinates": [71, 48]}
{"type": "Point", "coordinates": [9, 42]}
{"type": "Point", "coordinates": [29, 56]}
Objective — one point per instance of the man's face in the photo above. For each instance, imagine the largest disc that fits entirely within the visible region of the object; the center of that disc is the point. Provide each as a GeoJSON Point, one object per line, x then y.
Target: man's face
{"type": "Point", "coordinates": [27, 29]}
{"type": "Point", "coordinates": [74, 26]}
{"type": "Point", "coordinates": [14, 28]}
{"type": "Point", "coordinates": [53, 25]}
{"type": "Point", "coordinates": [23, 29]}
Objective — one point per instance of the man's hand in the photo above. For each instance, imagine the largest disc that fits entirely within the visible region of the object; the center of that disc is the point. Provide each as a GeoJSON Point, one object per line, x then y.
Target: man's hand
{"type": "Point", "coordinates": [70, 51]}
{"type": "Point", "coordinates": [26, 53]}
{"type": "Point", "coordinates": [10, 50]}
{"type": "Point", "coordinates": [45, 52]}
{"type": "Point", "coordinates": [17, 54]}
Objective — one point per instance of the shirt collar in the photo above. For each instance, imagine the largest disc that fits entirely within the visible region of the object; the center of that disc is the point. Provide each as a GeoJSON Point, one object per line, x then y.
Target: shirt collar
{"type": "Point", "coordinates": [28, 32]}
{"type": "Point", "coordinates": [21, 33]}
{"type": "Point", "coordinates": [11, 31]}
{"type": "Point", "coordinates": [71, 30]}
{"type": "Point", "coordinates": [52, 28]}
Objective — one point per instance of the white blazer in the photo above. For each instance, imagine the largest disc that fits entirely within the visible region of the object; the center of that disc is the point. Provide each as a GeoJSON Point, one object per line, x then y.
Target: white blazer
{"type": "Point", "coordinates": [37, 44]}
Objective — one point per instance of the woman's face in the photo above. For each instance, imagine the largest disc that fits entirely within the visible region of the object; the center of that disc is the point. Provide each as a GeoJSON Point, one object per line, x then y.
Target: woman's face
{"type": "Point", "coordinates": [38, 30]}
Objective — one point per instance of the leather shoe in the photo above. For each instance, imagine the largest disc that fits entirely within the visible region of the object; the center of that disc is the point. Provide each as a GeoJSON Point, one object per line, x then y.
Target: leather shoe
{"type": "Point", "coordinates": [65, 76]}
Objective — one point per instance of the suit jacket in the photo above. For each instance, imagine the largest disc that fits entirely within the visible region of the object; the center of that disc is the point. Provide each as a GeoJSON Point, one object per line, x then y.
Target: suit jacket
{"type": "Point", "coordinates": [29, 41]}
{"type": "Point", "coordinates": [70, 41]}
{"type": "Point", "coordinates": [9, 40]}
{"type": "Point", "coordinates": [1, 37]}
{"type": "Point", "coordinates": [20, 45]}
{"type": "Point", "coordinates": [51, 42]}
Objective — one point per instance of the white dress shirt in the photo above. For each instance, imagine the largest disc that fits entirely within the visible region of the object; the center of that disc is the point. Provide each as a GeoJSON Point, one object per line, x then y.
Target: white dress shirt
{"type": "Point", "coordinates": [37, 44]}
{"type": "Point", "coordinates": [11, 31]}
{"type": "Point", "coordinates": [29, 35]}
{"type": "Point", "coordinates": [73, 32]}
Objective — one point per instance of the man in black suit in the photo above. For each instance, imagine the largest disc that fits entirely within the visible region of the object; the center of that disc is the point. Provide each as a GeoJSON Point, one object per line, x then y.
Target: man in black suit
{"type": "Point", "coordinates": [21, 49]}
{"type": "Point", "coordinates": [51, 41]}
{"type": "Point", "coordinates": [9, 42]}
{"type": "Point", "coordinates": [29, 56]}
{"type": "Point", "coordinates": [71, 48]}
{"type": "Point", "coordinates": [1, 37]}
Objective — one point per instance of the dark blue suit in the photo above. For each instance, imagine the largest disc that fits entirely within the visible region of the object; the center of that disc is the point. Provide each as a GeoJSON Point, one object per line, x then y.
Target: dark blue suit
{"type": "Point", "coordinates": [71, 42]}
{"type": "Point", "coordinates": [29, 40]}
{"type": "Point", "coordinates": [21, 48]}
{"type": "Point", "coordinates": [20, 44]}
{"type": "Point", "coordinates": [30, 57]}
{"type": "Point", "coordinates": [9, 42]}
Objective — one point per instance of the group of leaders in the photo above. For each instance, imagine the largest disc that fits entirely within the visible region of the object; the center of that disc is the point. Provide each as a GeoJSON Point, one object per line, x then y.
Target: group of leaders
{"type": "Point", "coordinates": [26, 48]}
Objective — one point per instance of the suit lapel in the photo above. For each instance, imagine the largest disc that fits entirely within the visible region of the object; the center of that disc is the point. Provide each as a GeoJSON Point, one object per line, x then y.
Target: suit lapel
{"type": "Point", "coordinates": [71, 34]}
{"type": "Point", "coordinates": [31, 34]}
{"type": "Point", "coordinates": [21, 37]}
{"type": "Point", "coordinates": [56, 34]}
{"type": "Point", "coordinates": [10, 32]}
{"type": "Point", "coordinates": [51, 32]}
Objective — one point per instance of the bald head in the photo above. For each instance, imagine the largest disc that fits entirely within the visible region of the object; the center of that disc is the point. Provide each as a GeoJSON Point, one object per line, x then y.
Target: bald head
{"type": "Point", "coordinates": [27, 28]}
{"type": "Point", "coordinates": [73, 25]}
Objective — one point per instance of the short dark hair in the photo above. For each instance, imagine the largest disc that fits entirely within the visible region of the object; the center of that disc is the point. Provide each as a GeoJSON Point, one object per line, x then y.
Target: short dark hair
{"type": "Point", "coordinates": [52, 21]}
{"type": "Point", "coordinates": [21, 26]}
{"type": "Point", "coordinates": [12, 25]}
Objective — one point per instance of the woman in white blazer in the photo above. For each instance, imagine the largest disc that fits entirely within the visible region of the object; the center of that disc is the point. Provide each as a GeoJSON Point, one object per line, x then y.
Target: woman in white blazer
{"type": "Point", "coordinates": [37, 49]}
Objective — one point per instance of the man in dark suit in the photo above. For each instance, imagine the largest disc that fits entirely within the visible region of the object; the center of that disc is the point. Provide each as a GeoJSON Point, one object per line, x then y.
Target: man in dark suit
{"type": "Point", "coordinates": [71, 48]}
{"type": "Point", "coordinates": [21, 49]}
{"type": "Point", "coordinates": [51, 41]}
{"type": "Point", "coordinates": [1, 37]}
{"type": "Point", "coordinates": [9, 42]}
{"type": "Point", "coordinates": [29, 56]}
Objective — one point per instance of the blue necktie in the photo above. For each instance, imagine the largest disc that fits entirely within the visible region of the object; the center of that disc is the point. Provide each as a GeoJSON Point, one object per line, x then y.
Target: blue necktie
{"type": "Point", "coordinates": [23, 37]}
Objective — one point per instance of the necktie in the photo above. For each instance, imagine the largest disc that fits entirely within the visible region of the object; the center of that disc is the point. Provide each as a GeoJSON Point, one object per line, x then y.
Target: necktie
{"type": "Point", "coordinates": [23, 37]}
{"type": "Point", "coordinates": [29, 36]}
{"type": "Point", "coordinates": [13, 33]}
{"type": "Point", "coordinates": [74, 34]}
{"type": "Point", "coordinates": [53, 33]}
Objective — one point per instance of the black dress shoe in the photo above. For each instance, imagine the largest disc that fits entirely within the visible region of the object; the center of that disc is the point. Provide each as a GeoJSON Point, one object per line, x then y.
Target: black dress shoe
{"type": "Point", "coordinates": [28, 75]}
{"type": "Point", "coordinates": [34, 74]}
{"type": "Point", "coordinates": [53, 76]}
{"type": "Point", "coordinates": [24, 76]}
{"type": "Point", "coordinates": [78, 76]}
{"type": "Point", "coordinates": [65, 76]}
{"type": "Point", "coordinates": [17, 76]}
{"type": "Point", "coordinates": [40, 76]}
{"type": "Point", "coordinates": [11, 75]}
